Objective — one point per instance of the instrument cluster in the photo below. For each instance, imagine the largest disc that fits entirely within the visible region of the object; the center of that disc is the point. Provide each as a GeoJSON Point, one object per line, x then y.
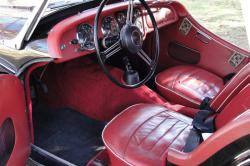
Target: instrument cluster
{"type": "Point", "coordinates": [110, 28]}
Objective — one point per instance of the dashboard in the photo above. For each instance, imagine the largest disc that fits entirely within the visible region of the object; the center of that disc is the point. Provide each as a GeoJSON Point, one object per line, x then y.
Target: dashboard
{"type": "Point", "coordinates": [110, 28]}
{"type": "Point", "coordinates": [74, 36]}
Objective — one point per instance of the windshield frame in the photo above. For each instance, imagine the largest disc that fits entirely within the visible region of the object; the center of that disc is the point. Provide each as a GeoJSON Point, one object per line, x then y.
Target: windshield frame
{"type": "Point", "coordinates": [28, 28]}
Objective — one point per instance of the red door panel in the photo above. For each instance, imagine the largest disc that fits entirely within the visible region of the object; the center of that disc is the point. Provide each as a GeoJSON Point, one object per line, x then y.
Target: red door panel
{"type": "Point", "coordinates": [214, 51]}
{"type": "Point", "coordinates": [14, 131]}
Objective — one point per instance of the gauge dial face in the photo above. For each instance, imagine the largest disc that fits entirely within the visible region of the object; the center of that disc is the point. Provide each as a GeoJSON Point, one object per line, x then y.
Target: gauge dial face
{"type": "Point", "coordinates": [110, 26]}
{"type": "Point", "coordinates": [137, 14]}
{"type": "Point", "coordinates": [138, 23]}
{"type": "Point", "coordinates": [121, 18]}
{"type": "Point", "coordinates": [85, 36]}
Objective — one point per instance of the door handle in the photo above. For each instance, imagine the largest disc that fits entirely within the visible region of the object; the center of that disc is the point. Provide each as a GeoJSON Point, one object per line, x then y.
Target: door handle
{"type": "Point", "coordinates": [204, 38]}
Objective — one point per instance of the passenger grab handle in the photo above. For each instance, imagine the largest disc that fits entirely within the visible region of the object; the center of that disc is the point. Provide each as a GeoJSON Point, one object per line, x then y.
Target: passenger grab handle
{"type": "Point", "coordinates": [204, 38]}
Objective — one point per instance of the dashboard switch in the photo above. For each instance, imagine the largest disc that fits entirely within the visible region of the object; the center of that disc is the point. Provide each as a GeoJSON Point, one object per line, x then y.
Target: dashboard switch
{"type": "Point", "coordinates": [74, 42]}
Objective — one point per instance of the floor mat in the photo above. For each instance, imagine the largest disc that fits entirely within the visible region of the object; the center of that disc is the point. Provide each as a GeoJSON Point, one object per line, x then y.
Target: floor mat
{"type": "Point", "coordinates": [67, 134]}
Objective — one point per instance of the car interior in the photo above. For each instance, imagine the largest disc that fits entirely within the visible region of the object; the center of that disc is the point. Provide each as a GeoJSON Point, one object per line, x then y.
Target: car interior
{"type": "Point", "coordinates": [125, 84]}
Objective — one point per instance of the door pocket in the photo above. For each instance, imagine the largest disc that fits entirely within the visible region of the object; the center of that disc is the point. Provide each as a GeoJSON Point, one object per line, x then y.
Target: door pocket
{"type": "Point", "coordinates": [7, 141]}
{"type": "Point", "coordinates": [183, 53]}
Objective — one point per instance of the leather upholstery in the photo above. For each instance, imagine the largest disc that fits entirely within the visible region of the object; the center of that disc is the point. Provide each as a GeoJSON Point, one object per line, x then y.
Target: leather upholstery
{"type": "Point", "coordinates": [236, 84]}
{"type": "Point", "coordinates": [188, 85]}
{"type": "Point", "coordinates": [147, 134]}
{"type": "Point", "coordinates": [142, 134]}
{"type": "Point", "coordinates": [238, 105]}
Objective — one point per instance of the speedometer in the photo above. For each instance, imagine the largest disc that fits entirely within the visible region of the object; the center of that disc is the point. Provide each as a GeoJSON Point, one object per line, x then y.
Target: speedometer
{"type": "Point", "coordinates": [85, 37]}
{"type": "Point", "coordinates": [110, 26]}
{"type": "Point", "coordinates": [137, 14]}
{"type": "Point", "coordinates": [121, 18]}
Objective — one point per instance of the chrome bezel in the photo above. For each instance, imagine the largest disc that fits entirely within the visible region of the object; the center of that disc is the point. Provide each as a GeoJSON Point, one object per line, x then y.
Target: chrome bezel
{"type": "Point", "coordinates": [108, 32]}
{"type": "Point", "coordinates": [123, 15]}
{"type": "Point", "coordinates": [78, 38]}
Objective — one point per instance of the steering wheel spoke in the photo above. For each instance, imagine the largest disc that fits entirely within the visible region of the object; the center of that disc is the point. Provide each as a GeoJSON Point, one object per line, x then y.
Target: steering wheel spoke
{"type": "Point", "coordinates": [130, 12]}
{"type": "Point", "coordinates": [143, 55]}
{"type": "Point", "coordinates": [112, 50]}
{"type": "Point", "coordinates": [131, 41]}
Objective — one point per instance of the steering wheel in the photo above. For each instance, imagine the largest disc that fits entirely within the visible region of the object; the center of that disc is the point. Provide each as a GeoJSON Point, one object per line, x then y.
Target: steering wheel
{"type": "Point", "coordinates": [131, 40]}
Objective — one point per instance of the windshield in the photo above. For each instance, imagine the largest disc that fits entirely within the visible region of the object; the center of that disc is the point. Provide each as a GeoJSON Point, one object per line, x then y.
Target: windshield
{"type": "Point", "coordinates": [13, 16]}
{"type": "Point", "coordinates": [15, 13]}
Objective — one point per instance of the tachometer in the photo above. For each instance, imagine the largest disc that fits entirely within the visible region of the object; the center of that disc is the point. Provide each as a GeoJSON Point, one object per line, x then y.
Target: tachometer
{"type": "Point", "coordinates": [138, 19]}
{"type": "Point", "coordinates": [137, 14]}
{"type": "Point", "coordinates": [85, 37]}
{"type": "Point", "coordinates": [110, 26]}
{"type": "Point", "coordinates": [121, 18]}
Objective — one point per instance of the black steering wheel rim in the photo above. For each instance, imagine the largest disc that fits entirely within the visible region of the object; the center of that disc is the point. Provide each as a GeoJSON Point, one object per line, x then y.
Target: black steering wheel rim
{"type": "Point", "coordinates": [99, 56]}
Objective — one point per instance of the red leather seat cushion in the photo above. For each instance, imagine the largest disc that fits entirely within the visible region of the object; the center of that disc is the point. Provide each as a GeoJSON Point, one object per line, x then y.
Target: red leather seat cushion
{"type": "Point", "coordinates": [142, 134]}
{"type": "Point", "coordinates": [188, 85]}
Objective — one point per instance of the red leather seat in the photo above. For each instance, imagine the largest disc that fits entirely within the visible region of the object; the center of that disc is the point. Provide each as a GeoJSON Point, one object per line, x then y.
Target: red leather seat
{"type": "Point", "coordinates": [188, 85]}
{"type": "Point", "coordinates": [151, 135]}
{"type": "Point", "coordinates": [142, 134]}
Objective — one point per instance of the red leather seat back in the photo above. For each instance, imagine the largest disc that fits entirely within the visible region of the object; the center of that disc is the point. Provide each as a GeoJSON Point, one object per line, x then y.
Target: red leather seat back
{"type": "Point", "coordinates": [238, 105]}
{"type": "Point", "coordinates": [239, 81]}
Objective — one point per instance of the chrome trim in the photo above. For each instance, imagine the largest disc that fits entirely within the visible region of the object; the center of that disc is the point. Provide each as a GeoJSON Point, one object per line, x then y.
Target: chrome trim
{"type": "Point", "coordinates": [31, 62]}
{"type": "Point", "coordinates": [7, 65]}
{"type": "Point", "coordinates": [38, 149]}
{"type": "Point", "coordinates": [243, 159]}
{"type": "Point", "coordinates": [36, 20]}
{"type": "Point", "coordinates": [39, 53]}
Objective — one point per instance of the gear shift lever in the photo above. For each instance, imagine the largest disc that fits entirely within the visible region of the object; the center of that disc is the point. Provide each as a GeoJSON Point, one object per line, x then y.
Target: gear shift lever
{"type": "Point", "coordinates": [130, 76]}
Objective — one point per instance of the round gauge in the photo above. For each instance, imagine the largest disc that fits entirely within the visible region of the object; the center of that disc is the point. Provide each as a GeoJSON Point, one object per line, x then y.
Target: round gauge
{"type": "Point", "coordinates": [110, 26]}
{"type": "Point", "coordinates": [121, 18]}
{"type": "Point", "coordinates": [138, 23]}
{"type": "Point", "coordinates": [85, 36]}
{"type": "Point", "coordinates": [137, 14]}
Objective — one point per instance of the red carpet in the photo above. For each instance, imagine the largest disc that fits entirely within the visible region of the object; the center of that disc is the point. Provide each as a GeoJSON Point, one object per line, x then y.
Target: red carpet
{"type": "Point", "coordinates": [82, 86]}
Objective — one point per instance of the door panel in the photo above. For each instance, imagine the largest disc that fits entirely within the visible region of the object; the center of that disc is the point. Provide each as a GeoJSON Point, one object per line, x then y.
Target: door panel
{"type": "Point", "coordinates": [14, 131]}
{"type": "Point", "coordinates": [182, 53]}
{"type": "Point", "coordinates": [215, 53]}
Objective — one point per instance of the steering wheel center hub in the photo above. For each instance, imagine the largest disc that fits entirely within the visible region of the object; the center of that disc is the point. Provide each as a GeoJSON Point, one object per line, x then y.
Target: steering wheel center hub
{"type": "Point", "coordinates": [131, 38]}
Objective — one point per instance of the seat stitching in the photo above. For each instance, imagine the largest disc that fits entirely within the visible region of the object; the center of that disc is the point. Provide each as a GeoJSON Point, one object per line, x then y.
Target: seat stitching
{"type": "Point", "coordinates": [163, 135]}
{"type": "Point", "coordinates": [210, 90]}
{"type": "Point", "coordinates": [193, 73]}
{"type": "Point", "coordinates": [182, 149]}
{"type": "Point", "coordinates": [174, 139]}
{"type": "Point", "coordinates": [126, 147]}
{"type": "Point", "coordinates": [105, 143]}
{"type": "Point", "coordinates": [177, 118]}
{"type": "Point", "coordinates": [194, 91]}
{"type": "Point", "coordinates": [178, 76]}
{"type": "Point", "coordinates": [153, 130]}
{"type": "Point", "coordinates": [242, 70]}
{"type": "Point", "coordinates": [178, 94]}
{"type": "Point", "coordinates": [197, 74]}
{"type": "Point", "coordinates": [228, 96]}
{"type": "Point", "coordinates": [173, 83]}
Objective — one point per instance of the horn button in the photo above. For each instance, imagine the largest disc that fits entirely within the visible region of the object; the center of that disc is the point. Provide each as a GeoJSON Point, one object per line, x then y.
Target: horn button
{"type": "Point", "coordinates": [131, 38]}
